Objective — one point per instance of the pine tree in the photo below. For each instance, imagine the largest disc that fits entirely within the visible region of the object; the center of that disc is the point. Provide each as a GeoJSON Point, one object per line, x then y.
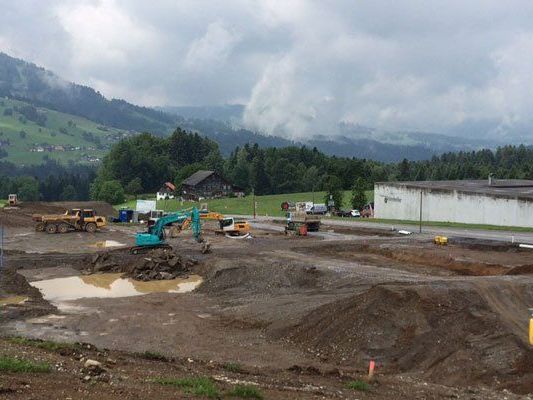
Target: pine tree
{"type": "Point", "coordinates": [358, 194]}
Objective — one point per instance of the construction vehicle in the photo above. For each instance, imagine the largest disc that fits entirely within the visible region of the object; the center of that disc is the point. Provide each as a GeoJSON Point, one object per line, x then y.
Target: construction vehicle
{"type": "Point", "coordinates": [233, 227]}
{"type": "Point", "coordinates": [72, 220]}
{"type": "Point", "coordinates": [12, 200]}
{"type": "Point", "coordinates": [228, 225]}
{"type": "Point", "coordinates": [297, 216]}
{"type": "Point", "coordinates": [368, 211]}
{"type": "Point", "coordinates": [154, 237]}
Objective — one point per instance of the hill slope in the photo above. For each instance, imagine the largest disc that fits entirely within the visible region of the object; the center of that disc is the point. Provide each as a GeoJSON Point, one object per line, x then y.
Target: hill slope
{"type": "Point", "coordinates": [28, 82]}
{"type": "Point", "coordinates": [61, 101]}
{"type": "Point", "coordinates": [29, 134]}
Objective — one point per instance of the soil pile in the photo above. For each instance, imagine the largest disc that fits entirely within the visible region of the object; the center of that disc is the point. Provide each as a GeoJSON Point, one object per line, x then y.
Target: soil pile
{"type": "Point", "coordinates": [21, 216]}
{"type": "Point", "coordinates": [14, 284]}
{"type": "Point", "coordinates": [100, 207]}
{"type": "Point", "coordinates": [270, 278]}
{"type": "Point", "coordinates": [450, 335]}
{"type": "Point", "coordinates": [454, 259]}
{"type": "Point", "coordinates": [159, 264]}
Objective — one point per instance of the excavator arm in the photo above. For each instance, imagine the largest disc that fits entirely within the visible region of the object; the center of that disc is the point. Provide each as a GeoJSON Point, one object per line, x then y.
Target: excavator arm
{"type": "Point", "coordinates": [155, 237]}
{"type": "Point", "coordinates": [203, 215]}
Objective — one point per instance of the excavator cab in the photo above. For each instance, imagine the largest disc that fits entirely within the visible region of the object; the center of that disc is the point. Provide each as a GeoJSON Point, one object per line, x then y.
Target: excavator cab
{"type": "Point", "coordinates": [12, 200]}
{"type": "Point", "coordinates": [234, 227]}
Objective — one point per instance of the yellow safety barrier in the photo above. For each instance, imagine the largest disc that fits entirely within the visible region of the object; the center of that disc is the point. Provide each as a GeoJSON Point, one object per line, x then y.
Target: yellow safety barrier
{"type": "Point", "coordinates": [442, 240]}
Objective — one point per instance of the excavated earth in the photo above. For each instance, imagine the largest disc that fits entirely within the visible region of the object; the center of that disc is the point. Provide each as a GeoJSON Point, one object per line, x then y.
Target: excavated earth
{"type": "Point", "coordinates": [300, 316]}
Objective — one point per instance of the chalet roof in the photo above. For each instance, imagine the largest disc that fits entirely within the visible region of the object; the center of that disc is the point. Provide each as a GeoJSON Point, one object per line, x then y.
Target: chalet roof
{"type": "Point", "coordinates": [197, 177]}
{"type": "Point", "coordinates": [170, 185]}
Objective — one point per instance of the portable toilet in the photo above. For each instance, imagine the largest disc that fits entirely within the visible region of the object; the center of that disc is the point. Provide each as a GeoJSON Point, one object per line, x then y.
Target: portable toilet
{"type": "Point", "coordinates": [125, 215]}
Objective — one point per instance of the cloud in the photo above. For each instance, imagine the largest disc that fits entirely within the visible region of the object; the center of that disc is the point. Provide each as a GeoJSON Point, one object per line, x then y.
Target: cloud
{"type": "Point", "coordinates": [300, 66]}
{"type": "Point", "coordinates": [212, 49]}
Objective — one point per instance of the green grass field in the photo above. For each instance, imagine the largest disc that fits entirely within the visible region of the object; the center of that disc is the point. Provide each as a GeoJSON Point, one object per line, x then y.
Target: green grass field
{"type": "Point", "coordinates": [269, 205]}
{"type": "Point", "coordinates": [59, 129]}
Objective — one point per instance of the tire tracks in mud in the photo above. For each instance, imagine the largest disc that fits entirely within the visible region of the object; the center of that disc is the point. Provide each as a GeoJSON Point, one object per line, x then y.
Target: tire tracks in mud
{"type": "Point", "coordinates": [509, 300]}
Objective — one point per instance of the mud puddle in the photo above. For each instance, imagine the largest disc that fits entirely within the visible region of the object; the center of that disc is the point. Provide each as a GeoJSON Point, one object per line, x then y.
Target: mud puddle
{"type": "Point", "coordinates": [109, 286]}
{"type": "Point", "coordinates": [104, 244]}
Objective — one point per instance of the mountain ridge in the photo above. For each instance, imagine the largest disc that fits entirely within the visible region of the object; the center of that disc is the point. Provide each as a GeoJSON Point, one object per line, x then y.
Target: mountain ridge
{"type": "Point", "coordinates": [43, 89]}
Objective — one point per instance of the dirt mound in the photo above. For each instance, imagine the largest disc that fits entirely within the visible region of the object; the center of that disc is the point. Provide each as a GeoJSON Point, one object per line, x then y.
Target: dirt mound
{"type": "Point", "coordinates": [449, 258]}
{"type": "Point", "coordinates": [20, 216]}
{"type": "Point", "coordinates": [101, 207]}
{"type": "Point", "coordinates": [14, 284]}
{"type": "Point", "coordinates": [450, 335]}
{"type": "Point", "coordinates": [269, 279]}
{"type": "Point", "coordinates": [159, 264]}
{"type": "Point", "coordinates": [482, 244]}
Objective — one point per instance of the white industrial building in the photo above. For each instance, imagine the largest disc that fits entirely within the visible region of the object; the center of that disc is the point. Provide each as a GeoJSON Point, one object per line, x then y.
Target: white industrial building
{"type": "Point", "coordinates": [491, 202]}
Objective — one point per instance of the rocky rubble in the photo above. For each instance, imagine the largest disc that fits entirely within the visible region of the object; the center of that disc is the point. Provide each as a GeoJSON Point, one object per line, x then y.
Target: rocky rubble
{"type": "Point", "coordinates": [159, 264]}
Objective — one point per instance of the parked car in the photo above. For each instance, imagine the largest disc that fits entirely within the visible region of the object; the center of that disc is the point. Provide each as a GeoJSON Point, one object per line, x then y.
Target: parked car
{"type": "Point", "coordinates": [355, 213]}
{"type": "Point", "coordinates": [348, 213]}
{"type": "Point", "coordinates": [344, 213]}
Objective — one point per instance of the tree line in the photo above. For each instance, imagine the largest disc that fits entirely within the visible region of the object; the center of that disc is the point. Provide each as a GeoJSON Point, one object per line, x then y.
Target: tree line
{"type": "Point", "coordinates": [141, 164]}
{"type": "Point", "coordinates": [50, 181]}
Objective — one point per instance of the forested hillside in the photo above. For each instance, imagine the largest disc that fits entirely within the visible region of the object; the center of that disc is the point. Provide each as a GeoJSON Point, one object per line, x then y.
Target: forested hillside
{"type": "Point", "coordinates": [30, 135]}
{"type": "Point", "coordinates": [140, 164]}
{"type": "Point", "coordinates": [25, 81]}
{"type": "Point", "coordinates": [49, 181]}
{"type": "Point", "coordinates": [293, 169]}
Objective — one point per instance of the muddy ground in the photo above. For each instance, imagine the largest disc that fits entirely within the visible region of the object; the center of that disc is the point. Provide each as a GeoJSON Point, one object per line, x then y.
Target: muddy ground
{"type": "Point", "coordinates": [301, 316]}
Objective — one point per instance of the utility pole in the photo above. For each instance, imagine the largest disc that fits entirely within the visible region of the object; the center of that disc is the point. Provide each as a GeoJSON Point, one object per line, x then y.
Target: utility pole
{"type": "Point", "coordinates": [313, 189]}
{"type": "Point", "coordinates": [253, 199]}
{"type": "Point", "coordinates": [420, 222]}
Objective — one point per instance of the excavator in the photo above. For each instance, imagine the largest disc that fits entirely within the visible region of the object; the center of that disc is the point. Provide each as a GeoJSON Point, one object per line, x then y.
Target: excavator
{"type": "Point", "coordinates": [228, 225]}
{"type": "Point", "coordinates": [155, 236]}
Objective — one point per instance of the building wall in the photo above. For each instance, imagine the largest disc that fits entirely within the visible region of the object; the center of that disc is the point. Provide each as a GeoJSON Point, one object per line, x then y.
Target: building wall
{"type": "Point", "coordinates": [450, 206]}
{"type": "Point", "coordinates": [209, 187]}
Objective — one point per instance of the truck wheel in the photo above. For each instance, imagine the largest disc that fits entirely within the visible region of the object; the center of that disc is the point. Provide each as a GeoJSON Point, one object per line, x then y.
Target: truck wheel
{"type": "Point", "coordinates": [51, 228]}
{"type": "Point", "coordinates": [62, 228]}
{"type": "Point", "coordinates": [39, 227]}
{"type": "Point", "coordinates": [90, 227]}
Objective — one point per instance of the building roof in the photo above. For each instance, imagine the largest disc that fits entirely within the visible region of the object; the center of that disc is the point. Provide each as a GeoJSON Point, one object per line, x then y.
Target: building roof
{"type": "Point", "coordinates": [197, 177]}
{"type": "Point", "coordinates": [170, 185]}
{"type": "Point", "coordinates": [507, 188]}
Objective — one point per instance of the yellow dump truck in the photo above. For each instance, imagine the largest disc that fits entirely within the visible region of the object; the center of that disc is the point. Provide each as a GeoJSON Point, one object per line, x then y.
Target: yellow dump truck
{"type": "Point", "coordinates": [72, 220]}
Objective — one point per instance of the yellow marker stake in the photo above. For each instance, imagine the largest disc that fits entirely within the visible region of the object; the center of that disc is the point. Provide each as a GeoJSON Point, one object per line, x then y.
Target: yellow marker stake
{"type": "Point", "coordinates": [531, 326]}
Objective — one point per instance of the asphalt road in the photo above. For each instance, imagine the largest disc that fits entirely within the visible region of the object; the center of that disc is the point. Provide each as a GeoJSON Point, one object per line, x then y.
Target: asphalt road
{"type": "Point", "coordinates": [505, 236]}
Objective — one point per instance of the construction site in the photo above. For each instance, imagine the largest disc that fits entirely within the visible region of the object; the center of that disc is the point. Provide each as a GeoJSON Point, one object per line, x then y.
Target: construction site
{"type": "Point", "coordinates": [348, 312]}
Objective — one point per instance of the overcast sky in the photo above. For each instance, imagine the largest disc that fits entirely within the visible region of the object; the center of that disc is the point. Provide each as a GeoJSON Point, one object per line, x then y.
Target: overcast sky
{"type": "Point", "coordinates": [298, 65]}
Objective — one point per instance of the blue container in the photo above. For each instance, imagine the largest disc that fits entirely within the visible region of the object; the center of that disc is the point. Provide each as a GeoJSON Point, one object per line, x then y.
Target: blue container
{"type": "Point", "coordinates": [125, 215]}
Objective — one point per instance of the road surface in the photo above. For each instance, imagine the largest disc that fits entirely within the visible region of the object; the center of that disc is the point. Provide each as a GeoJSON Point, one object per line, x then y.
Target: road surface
{"type": "Point", "coordinates": [505, 236]}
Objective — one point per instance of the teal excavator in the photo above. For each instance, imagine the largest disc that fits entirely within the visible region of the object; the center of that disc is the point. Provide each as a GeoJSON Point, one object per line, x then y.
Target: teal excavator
{"type": "Point", "coordinates": [155, 236]}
